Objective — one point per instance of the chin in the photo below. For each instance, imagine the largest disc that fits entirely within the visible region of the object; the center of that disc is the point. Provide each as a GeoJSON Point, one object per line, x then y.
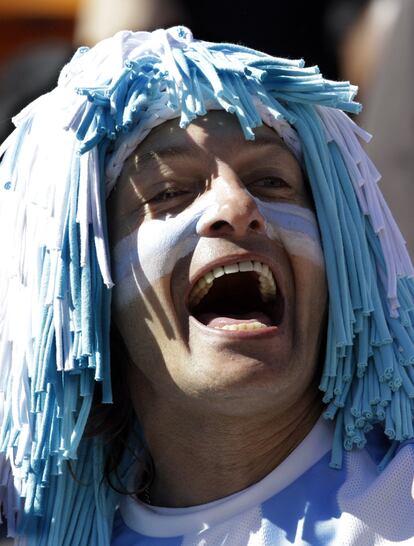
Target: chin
{"type": "Point", "coordinates": [237, 382]}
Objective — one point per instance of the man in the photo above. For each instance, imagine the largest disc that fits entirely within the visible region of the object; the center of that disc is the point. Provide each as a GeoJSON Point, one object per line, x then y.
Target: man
{"type": "Point", "coordinates": [231, 305]}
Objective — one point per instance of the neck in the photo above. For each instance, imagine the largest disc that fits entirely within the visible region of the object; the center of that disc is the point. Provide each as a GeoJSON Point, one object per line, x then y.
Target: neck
{"type": "Point", "coordinates": [202, 459]}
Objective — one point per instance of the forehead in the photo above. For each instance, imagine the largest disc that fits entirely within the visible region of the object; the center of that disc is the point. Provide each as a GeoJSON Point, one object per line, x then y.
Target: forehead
{"type": "Point", "coordinates": [218, 135]}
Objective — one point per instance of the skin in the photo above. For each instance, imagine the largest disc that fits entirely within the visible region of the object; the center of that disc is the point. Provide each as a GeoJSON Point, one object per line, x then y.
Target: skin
{"type": "Point", "coordinates": [229, 403]}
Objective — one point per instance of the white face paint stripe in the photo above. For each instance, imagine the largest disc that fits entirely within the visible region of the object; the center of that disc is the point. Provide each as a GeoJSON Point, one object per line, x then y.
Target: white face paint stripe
{"type": "Point", "coordinates": [158, 244]}
{"type": "Point", "coordinates": [155, 247]}
{"type": "Point", "coordinates": [289, 217]}
{"type": "Point", "coordinates": [295, 227]}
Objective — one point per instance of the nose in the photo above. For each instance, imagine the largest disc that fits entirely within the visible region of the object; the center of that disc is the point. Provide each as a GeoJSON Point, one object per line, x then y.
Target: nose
{"type": "Point", "coordinates": [234, 211]}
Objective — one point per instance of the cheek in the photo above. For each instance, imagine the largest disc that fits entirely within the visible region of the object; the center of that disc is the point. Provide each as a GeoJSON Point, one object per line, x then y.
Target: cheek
{"type": "Point", "coordinates": [311, 302]}
{"type": "Point", "coordinates": [149, 254]}
{"type": "Point", "coordinates": [146, 327]}
{"type": "Point", "coordinates": [296, 229]}
{"type": "Point", "coordinates": [161, 243]}
{"type": "Point", "coordinates": [310, 285]}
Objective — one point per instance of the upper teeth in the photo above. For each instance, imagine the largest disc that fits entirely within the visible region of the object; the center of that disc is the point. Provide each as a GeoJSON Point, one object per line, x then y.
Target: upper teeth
{"type": "Point", "coordinates": [267, 283]}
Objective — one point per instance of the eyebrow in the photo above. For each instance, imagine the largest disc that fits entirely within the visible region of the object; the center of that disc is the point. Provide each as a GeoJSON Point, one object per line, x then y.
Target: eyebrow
{"type": "Point", "coordinates": [169, 151]}
{"type": "Point", "coordinates": [179, 151]}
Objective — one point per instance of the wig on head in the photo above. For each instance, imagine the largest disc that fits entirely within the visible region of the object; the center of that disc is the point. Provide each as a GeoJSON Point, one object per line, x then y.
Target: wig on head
{"type": "Point", "coordinates": [59, 165]}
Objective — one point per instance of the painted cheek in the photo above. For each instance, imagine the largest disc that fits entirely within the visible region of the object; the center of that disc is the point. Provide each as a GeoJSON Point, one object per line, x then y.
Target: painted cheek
{"type": "Point", "coordinates": [295, 228]}
{"type": "Point", "coordinates": [152, 251]}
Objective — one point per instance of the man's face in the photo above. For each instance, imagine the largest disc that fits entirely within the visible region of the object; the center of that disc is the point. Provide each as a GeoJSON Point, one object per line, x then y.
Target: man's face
{"type": "Point", "coordinates": [220, 291]}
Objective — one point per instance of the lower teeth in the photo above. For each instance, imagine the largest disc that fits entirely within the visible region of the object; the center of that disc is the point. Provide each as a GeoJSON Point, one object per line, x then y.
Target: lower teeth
{"type": "Point", "coordinates": [243, 326]}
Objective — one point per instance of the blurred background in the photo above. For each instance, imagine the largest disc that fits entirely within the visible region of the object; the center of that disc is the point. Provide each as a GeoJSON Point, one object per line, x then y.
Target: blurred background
{"type": "Point", "coordinates": [368, 42]}
{"type": "Point", "coordinates": [346, 38]}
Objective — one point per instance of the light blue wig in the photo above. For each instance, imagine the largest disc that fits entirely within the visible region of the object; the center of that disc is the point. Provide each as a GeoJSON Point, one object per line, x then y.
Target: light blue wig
{"type": "Point", "coordinates": [58, 167]}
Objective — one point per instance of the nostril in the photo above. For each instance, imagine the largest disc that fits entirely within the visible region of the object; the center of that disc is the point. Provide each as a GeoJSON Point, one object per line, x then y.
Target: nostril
{"type": "Point", "coordinates": [218, 225]}
{"type": "Point", "coordinates": [254, 225]}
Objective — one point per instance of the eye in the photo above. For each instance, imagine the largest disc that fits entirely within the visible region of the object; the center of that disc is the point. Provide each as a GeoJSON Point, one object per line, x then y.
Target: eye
{"type": "Point", "coordinates": [270, 182]}
{"type": "Point", "coordinates": [167, 195]}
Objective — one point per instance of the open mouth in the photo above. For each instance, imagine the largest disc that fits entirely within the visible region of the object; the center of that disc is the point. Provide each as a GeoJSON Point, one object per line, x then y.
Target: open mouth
{"type": "Point", "coordinates": [239, 296]}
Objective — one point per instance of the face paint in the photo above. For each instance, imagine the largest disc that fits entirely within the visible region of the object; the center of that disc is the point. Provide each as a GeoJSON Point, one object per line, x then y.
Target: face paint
{"type": "Point", "coordinates": [151, 252]}
{"type": "Point", "coordinates": [295, 227]}
{"type": "Point", "coordinates": [155, 247]}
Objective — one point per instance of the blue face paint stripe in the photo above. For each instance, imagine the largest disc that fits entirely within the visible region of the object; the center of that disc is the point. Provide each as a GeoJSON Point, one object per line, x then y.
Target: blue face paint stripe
{"type": "Point", "coordinates": [290, 221]}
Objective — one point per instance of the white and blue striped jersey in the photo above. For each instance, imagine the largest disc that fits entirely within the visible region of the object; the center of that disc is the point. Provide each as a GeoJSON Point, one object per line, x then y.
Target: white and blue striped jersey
{"type": "Point", "coordinates": [302, 502]}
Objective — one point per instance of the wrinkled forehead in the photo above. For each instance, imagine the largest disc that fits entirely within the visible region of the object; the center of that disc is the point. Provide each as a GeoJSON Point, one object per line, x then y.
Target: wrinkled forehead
{"type": "Point", "coordinates": [217, 134]}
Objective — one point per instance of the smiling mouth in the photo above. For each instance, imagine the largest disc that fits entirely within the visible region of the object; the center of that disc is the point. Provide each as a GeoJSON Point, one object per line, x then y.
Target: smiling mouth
{"type": "Point", "coordinates": [242, 296]}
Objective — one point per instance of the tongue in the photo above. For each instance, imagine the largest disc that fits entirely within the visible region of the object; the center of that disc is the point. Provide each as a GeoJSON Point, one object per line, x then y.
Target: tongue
{"type": "Point", "coordinates": [215, 321]}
